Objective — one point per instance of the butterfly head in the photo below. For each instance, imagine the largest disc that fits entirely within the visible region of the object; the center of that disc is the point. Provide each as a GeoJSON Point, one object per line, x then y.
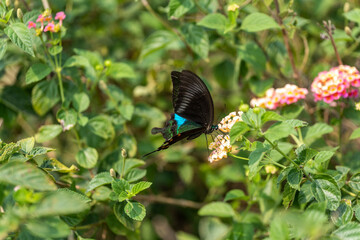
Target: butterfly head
{"type": "Point", "coordinates": [211, 129]}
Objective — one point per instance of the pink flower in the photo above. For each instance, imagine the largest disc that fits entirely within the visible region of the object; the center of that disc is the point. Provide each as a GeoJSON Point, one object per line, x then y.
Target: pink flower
{"type": "Point", "coordinates": [50, 27]}
{"type": "Point", "coordinates": [60, 16]}
{"type": "Point", "coordinates": [41, 19]}
{"type": "Point", "coordinates": [279, 97]}
{"type": "Point", "coordinates": [31, 24]}
{"type": "Point", "coordinates": [337, 83]}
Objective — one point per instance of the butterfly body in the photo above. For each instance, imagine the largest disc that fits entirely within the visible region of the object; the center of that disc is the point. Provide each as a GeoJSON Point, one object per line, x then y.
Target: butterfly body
{"type": "Point", "coordinates": [193, 107]}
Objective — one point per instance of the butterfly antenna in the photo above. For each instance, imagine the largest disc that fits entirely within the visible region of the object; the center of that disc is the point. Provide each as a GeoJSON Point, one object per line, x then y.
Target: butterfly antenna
{"type": "Point", "coordinates": [150, 153]}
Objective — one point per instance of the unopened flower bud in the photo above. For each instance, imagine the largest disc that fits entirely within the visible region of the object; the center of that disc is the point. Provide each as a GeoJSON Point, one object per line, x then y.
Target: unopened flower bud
{"type": "Point", "coordinates": [256, 110]}
{"type": "Point", "coordinates": [107, 63]}
{"type": "Point", "coordinates": [16, 3]}
{"type": "Point", "coordinates": [232, 7]}
{"type": "Point", "coordinates": [123, 153]}
{"type": "Point", "coordinates": [270, 169]}
{"type": "Point", "coordinates": [244, 107]}
{"type": "Point", "coordinates": [99, 67]}
{"type": "Point", "coordinates": [348, 31]}
{"type": "Point", "coordinates": [112, 172]}
{"type": "Point", "coordinates": [38, 32]}
{"type": "Point", "coordinates": [19, 14]}
{"type": "Point", "coordinates": [8, 3]}
{"type": "Point", "coordinates": [47, 12]}
{"type": "Point", "coordinates": [346, 7]}
{"type": "Point", "coordinates": [324, 36]}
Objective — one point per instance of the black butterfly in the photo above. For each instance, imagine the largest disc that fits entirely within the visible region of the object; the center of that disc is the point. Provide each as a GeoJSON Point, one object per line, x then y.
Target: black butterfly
{"type": "Point", "coordinates": [193, 107]}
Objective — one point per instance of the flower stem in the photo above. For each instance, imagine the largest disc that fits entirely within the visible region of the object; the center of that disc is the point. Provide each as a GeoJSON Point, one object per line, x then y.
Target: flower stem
{"type": "Point", "coordinates": [329, 29]}
{"type": "Point", "coordinates": [341, 116]}
{"type": "Point", "coordinates": [281, 152]}
{"type": "Point", "coordinates": [242, 158]}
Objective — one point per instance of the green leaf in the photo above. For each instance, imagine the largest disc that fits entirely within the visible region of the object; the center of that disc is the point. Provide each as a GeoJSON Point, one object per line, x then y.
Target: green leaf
{"type": "Point", "coordinates": [197, 39]}
{"type": "Point", "coordinates": [81, 101]}
{"type": "Point", "coordinates": [130, 163]}
{"type": "Point", "coordinates": [48, 228]}
{"type": "Point", "coordinates": [342, 215]}
{"type": "Point", "coordinates": [26, 175]}
{"type": "Point", "coordinates": [288, 196]}
{"type": "Point", "coordinates": [101, 126]}
{"type": "Point", "coordinates": [354, 182]}
{"type": "Point", "coordinates": [54, 165]}
{"type": "Point", "coordinates": [253, 55]}
{"type": "Point", "coordinates": [135, 210]}
{"type": "Point", "coordinates": [62, 202]}
{"type": "Point", "coordinates": [81, 61]}
{"type": "Point", "coordinates": [55, 50]}
{"type": "Point", "coordinates": [214, 21]}
{"type": "Point", "coordinates": [124, 218]}
{"type": "Point", "coordinates": [355, 134]}
{"type": "Point", "coordinates": [305, 155]}
{"type": "Point", "coordinates": [325, 188]}
{"type": "Point", "coordinates": [99, 180]}
{"type": "Point", "coordinates": [31, 16]}
{"type": "Point", "coordinates": [316, 131]}
{"type": "Point", "coordinates": [356, 209]}
{"type": "Point", "coordinates": [259, 86]}
{"type": "Point", "coordinates": [120, 70]}
{"type": "Point", "coordinates": [235, 194]}
{"type": "Point", "coordinates": [177, 8]}
{"type": "Point", "coordinates": [101, 193]}
{"type": "Point", "coordinates": [283, 175]}
{"type": "Point", "coordinates": [140, 186]}
{"type": "Point", "coordinates": [256, 22]}
{"type": "Point", "coordinates": [37, 72]}
{"type": "Point", "coordinates": [291, 111]}
{"type": "Point", "coordinates": [38, 151]}
{"type": "Point", "coordinates": [279, 229]}
{"type": "Point", "coordinates": [294, 178]}
{"type": "Point", "coordinates": [353, 15]}
{"type": "Point", "coordinates": [157, 41]}
{"type": "Point", "coordinates": [135, 174]}
{"type": "Point", "coordinates": [20, 35]}
{"type": "Point", "coordinates": [120, 185]}
{"type": "Point", "coordinates": [271, 116]}
{"type": "Point", "coordinates": [217, 209]}
{"type": "Point", "coordinates": [67, 118]}
{"type": "Point", "coordinates": [279, 130]}
{"type": "Point", "coordinates": [123, 196]}
{"type": "Point", "coordinates": [47, 132]}
{"type": "Point", "coordinates": [305, 194]}
{"type": "Point", "coordinates": [87, 157]}
{"type": "Point", "coordinates": [44, 96]}
{"type": "Point", "coordinates": [284, 147]}
{"type": "Point", "coordinates": [126, 109]}
{"type": "Point", "coordinates": [254, 160]}
{"type": "Point", "coordinates": [239, 129]}
{"type": "Point", "coordinates": [253, 119]}
{"type": "Point", "coordinates": [3, 48]}
{"type": "Point", "coordinates": [350, 230]}
{"type": "Point", "coordinates": [27, 144]}
{"type": "Point", "coordinates": [295, 123]}
{"type": "Point", "coordinates": [8, 15]}
{"type": "Point", "coordinates": [186, 173]}
{"type": "Point", "coordinates": [323, 156]}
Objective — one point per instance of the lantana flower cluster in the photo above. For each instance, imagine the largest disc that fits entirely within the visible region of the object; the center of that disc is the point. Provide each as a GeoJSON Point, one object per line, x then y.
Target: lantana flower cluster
{"type": "Point", "coordinates": [279, 97]}
{"type": "Point", "coordinates": [228, 122]}
{"type": "Point", "coordinates": [221, 145]}
{"type": "Point", "coordinates": [339, 82]}
{"type": "Point", "coordinates": [46, 22]}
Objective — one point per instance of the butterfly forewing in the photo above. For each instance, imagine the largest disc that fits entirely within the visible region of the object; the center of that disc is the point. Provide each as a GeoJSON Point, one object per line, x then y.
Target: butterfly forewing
{"type": "Point", "coordinates": [191, 98]}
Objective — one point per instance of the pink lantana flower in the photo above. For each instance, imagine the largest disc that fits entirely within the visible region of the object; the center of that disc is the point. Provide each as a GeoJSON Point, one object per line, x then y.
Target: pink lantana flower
{"type": "Point", "coordinates": [279, 97]}
{"type": "Point", "coordinates": [60, 16]}
{"type": "Point", "coordinates": [31, 24]}
{"type": "Point", "coordinates": [339, 82]}
{"type": "Point", "coordinates": [41, 20]}
{"type": "Point", "coordinates": [221, 146]}
{"type": "Point", "coordinates": [50, 27]}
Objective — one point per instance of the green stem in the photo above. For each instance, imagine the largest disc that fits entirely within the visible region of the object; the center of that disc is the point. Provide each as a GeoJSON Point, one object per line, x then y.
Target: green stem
{"type": "Point", "coordinates": [58, 72]}
{"type": "Point", "coordinates": [281, 152]}
{"type": "Point", "coordinates": [300, 135]}
{"type": "Point", "coordinates": [348, 192]}
{"type": "Point", "coordinates": [341, 116]}
{"type": "Point", "coordinates": [296, 140]}
{"type": "Point", "coordinates": [242, 158]}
